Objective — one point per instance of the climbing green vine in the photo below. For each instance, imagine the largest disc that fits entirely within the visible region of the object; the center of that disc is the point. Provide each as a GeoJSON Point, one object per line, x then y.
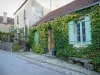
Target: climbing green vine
{"type": "Point", "coordinates": [59, 28]}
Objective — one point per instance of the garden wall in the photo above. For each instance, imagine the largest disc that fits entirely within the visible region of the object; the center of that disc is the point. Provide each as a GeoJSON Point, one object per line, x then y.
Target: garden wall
{"type": "Point", "coordinates": [6, 46]}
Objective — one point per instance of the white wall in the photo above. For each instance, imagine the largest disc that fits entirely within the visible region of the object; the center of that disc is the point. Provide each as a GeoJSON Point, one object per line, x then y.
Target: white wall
{"type": "Point", "coordinates": [34, 12]}
{"type": "Point", "coordinates": [20, 14]}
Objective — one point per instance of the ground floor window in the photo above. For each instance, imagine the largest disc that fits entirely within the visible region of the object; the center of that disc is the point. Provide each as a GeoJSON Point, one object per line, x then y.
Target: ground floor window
{"type": "Point", "coordinates": [80, 31]}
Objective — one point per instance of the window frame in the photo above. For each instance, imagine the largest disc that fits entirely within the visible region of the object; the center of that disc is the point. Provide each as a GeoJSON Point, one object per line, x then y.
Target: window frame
{"type": "Point", "coordinates": [81, 32]}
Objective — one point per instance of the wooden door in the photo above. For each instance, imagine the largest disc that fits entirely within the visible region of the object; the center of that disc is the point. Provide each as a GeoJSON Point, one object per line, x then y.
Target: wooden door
{"type": "Point", "coordinates": [51, 42]}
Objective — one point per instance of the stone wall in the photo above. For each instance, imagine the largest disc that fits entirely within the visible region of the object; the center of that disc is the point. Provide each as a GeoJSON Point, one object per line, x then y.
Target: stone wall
{"type": "Point", "coordinates": [6, 46]}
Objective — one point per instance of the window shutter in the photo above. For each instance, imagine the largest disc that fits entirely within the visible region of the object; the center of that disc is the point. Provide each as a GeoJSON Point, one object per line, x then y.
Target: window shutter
{"type": "Point", "coordinates": [36, 38]}
{"type": "Point", "coordinates": [88, 30]}
{"type": "Point", "coordinates": [71, 32]}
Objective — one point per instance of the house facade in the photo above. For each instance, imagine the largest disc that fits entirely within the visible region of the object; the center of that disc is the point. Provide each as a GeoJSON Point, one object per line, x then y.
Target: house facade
{"type": "Point", "coordinates": [6, 23]}
{"type": "Point", "coordinates": [70, 31]}
{"type": "Point", "coordinates": [27, 15]}
{"type": "Point", "coordinates": [31, 11]}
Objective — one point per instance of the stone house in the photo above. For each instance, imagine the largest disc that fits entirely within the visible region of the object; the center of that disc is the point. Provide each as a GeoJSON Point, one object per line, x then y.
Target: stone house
{"type": "Point", "coordinates": [6, 26]}
{"type": "Point", "coordinates": [6, 23]}
{"type": "Point", "coordinates": [80, 29]}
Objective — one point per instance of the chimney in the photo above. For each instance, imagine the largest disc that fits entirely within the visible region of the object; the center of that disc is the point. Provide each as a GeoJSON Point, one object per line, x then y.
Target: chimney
{"type": "Point", "coordinates": [4, 17]}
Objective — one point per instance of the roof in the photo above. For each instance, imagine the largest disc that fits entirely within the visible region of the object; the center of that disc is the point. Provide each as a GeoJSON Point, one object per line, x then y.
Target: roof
{"type": "Point", "coordinates": [9, 20]}
{"type": "Point", "coordinates": [71, 7]}
{"type": "Point", "coordinates": [20, 6]}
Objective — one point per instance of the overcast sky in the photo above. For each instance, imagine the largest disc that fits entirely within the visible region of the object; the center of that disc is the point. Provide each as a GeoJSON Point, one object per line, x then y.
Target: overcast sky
{"type": "Point", "coordinates": [55, 3]}
{"type": "Point", "coordinates": [10, 6]}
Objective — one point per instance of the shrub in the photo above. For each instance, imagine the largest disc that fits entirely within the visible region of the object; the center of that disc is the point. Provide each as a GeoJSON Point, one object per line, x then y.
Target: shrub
{"type": "Point", "coordinates": [37, 49]}
{"type": "Point", "coordinates": [16, 47]}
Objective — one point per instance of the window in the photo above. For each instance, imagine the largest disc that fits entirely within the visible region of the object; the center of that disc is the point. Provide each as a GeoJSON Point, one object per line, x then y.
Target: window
{"type": "Point", "coordinates": [80, 31]}
{"type": "Point", "coordinates": [24, 14]}
{"type": "Point", "coordinates": [17, 19]}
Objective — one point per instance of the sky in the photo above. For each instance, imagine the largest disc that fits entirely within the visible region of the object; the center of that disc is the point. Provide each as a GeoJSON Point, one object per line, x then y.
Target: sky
{"type": "Point", "coordinates": [55, 3]}
{"type": "Point", "coordinates": [10, 6]}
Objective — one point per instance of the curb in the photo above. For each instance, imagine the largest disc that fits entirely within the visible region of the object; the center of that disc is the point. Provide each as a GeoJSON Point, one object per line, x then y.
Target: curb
{"type": "Point", "coordinates": [52, 64]}
{"type": "Point", "coordinates": [92, 72]}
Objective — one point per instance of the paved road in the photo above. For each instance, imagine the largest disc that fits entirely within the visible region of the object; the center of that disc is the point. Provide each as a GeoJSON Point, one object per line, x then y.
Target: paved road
{"type": "Point", "coordinates": [10, 64]}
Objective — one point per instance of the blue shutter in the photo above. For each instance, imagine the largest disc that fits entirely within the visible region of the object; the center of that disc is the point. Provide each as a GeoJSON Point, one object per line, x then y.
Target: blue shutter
{"type": "Point", "coordinates": [71, 32]}
{"type": "Point", "coordinates": [36, 38]}
{"type": "Point", "coordinates": [88, 30]}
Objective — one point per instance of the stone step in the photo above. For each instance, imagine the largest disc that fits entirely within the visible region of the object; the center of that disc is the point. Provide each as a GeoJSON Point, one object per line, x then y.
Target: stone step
{"type": "Point", "coordinates": [49, 56]}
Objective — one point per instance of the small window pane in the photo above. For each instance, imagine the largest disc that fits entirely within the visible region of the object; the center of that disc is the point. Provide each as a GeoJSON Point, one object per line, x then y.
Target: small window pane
{"type": "Point", "coordinates": [84, 38]}
{"type": "Point", "coordinates": [78, 29]}
{"type": "Point", "coordinates": [78, 39]}
{"type": "Point", "coordinates": [83, 30]}
{"type": "Point", "coordinates": [83, 24]}
{"type": "Point", "coordinates": [78, 33]}
{"type": "Point", "coordinates": [78, 25]}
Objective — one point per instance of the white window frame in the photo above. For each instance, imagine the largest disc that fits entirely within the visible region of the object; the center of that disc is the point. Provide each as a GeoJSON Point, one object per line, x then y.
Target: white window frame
{"type": "Point", "coordinates": [81, 34]}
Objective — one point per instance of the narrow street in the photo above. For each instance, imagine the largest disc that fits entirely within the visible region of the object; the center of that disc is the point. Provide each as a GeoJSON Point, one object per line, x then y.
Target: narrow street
{"type": "Point", "coordinates": [10, 64]}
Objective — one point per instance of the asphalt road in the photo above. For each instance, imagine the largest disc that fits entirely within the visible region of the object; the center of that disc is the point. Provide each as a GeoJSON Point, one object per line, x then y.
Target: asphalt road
{"type": "Point", "coordinates": [12, 65]}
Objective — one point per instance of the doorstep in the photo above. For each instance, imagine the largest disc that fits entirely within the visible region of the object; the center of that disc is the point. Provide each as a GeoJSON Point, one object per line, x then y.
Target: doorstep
{"type": "Point", "coordinates": [49, 55]}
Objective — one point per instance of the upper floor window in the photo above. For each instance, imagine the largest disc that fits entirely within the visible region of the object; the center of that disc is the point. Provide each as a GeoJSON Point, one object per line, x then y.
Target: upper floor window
{"type": "Point", "coordinates": [17, 19]}
{"type": "Point", "coordinates": [24, 14]}
{"type": "Point", "coordinates": [80, 31]}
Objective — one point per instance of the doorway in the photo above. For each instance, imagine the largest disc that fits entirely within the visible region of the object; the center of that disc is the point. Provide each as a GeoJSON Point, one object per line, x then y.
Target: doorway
{"type": "Point", "coordinates": [50, 41]}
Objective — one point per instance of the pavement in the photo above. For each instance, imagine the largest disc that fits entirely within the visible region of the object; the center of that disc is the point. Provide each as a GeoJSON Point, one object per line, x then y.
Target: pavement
{"type": "Point", "coordinates": [11, 64]}
{"type": "Point", "coordinates": [53, 64]}
{"type": "Point", "coordinates": [59, 65]}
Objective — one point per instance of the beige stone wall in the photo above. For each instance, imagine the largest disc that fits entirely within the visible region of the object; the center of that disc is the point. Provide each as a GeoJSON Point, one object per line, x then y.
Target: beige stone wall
{"type": "Point", "coordinates": [5, 27]}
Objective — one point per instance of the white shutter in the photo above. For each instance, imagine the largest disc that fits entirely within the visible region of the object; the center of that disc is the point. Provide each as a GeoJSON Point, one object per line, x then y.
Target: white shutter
{"type": "Point", "coordinates": [36, 38]}
{"type": "Point", "coordinates": [71, 32]}
{"type": "Point", "coordinates": [88, 30]}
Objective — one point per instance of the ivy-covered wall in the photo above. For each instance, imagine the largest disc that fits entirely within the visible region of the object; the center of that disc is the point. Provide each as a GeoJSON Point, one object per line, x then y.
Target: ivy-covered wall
{"type": "Point", "coordinates": [59, 27]}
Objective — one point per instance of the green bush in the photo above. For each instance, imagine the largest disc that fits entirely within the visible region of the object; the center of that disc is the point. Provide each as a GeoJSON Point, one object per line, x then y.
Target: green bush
{"type": "Point", "coordinates": [67, 52]}
{"type": "Point", "coordinates": [37, 49]}
{"type": "Point", "coordinates": [16, 47]}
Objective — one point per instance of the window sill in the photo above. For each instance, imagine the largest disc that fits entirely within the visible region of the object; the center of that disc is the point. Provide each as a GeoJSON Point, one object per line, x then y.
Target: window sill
{"type": "Point", "coordinates": [80, 45]}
